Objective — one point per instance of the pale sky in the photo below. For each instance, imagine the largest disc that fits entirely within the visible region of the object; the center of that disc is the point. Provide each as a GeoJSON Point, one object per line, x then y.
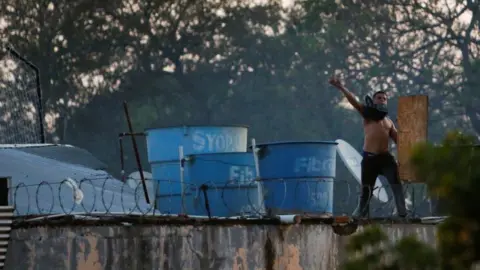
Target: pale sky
{"type": "Point", "coordinates": [287, 2]}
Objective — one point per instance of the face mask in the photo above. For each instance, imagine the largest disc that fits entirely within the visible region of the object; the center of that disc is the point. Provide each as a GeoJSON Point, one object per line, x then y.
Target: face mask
{"type": "Point", "coordinates": [375, 112]}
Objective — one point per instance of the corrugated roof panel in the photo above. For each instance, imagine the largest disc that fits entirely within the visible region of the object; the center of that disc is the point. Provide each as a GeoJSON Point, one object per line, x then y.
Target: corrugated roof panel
{"type": "Point", "coordinates": [60, 152]}
{"type": "Point", "coordinates": [40, 186]}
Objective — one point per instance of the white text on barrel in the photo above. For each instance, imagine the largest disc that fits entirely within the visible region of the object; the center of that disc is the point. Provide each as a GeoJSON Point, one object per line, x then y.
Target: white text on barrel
{"type": "Point", "coordinates": [313, 165]}
{"type": "Point", "coordinates": [215, 142]}
{"type": "Point", "coordinates": [319, 198]}
{"type": "Point", "coordinates": [241, 175]}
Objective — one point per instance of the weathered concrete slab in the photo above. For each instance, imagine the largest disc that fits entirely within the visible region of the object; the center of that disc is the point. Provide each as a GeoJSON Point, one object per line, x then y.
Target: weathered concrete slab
{"type": "Point", "coordinates": [187, 247]}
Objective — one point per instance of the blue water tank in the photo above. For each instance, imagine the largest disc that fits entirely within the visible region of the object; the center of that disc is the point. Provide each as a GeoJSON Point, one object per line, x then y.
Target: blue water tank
{"type": "Point", "coordinates": [298, 177]}
{"type": "Point", "coordinates": [229, 182]}
{"type": "Point", "coordinates": [163, 143]}
{"type": "Point", "coordinates": [169, 197]}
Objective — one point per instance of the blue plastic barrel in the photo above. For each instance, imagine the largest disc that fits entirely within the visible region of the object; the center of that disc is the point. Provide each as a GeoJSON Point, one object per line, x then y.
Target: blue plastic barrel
{"type": "Point", "coordinates": [228, 181]}
{"type": "Point", "coordinates": [163, 143]}
{"type": "Point", "coordinates": [169, 188]}
{"type": "Point", "coordinates": [298, 177]}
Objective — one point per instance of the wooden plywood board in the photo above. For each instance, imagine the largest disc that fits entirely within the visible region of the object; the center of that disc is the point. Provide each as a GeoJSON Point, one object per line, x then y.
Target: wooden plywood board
{"type": "Point", "coordinates": [412, 128]}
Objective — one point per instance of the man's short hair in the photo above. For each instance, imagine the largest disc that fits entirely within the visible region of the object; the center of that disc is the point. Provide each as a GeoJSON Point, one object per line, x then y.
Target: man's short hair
{"type": "Point", "coordinates": [379, 92]}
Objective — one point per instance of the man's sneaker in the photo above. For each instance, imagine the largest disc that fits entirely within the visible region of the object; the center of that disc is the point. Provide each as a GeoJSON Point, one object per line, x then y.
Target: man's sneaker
{"type": "Point", "coordinates": [404, 216]}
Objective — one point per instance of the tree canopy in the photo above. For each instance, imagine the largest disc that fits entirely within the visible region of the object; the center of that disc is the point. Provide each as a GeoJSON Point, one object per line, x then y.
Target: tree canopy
{"type": "Point", "coordinates": [265, 64]}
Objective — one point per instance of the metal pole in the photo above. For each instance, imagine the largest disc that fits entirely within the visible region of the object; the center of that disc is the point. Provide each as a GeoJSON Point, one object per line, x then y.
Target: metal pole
{"type": "Point", "coordinates": [135, 149]}
{"type": "Point", "coordinates": [122, 163]}
{"type": "Point", "coordinates": [182, 170]}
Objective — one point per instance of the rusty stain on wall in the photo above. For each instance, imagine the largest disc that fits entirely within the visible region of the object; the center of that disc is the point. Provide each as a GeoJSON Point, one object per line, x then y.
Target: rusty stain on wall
{"type": "Point", "coordinates": [88, 255]}
{"type": "Point", "coordinates": [240, 262]}
{"type": "Point", "coordinates": [290, 258]}
{"type": "Point", "coordinates": [135, 247]}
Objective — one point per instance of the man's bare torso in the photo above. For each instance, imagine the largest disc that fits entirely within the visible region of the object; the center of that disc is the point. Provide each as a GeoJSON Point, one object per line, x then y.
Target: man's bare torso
{"type": "Point", "coordinates": [377, 135]}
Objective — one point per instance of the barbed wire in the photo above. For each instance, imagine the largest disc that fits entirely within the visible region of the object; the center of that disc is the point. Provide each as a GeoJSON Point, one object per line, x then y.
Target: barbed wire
{"type": "Point", "coordinates": [255, 198]}
{"type": "Point", "coordinates": [97, 198]}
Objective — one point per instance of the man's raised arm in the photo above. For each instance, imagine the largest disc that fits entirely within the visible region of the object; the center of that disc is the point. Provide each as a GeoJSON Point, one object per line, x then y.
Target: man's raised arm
{"type": "Point", "coordinates": [348, 95]}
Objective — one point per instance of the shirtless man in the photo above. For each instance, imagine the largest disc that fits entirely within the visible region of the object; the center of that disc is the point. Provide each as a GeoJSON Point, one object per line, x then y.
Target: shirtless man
{"type": "Point", "coordinates": [377, 159]}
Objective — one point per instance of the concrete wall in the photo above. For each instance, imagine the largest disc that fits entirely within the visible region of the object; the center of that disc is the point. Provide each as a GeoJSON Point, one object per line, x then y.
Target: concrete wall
{"type": "Point", "coordinates": [187, 247]}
